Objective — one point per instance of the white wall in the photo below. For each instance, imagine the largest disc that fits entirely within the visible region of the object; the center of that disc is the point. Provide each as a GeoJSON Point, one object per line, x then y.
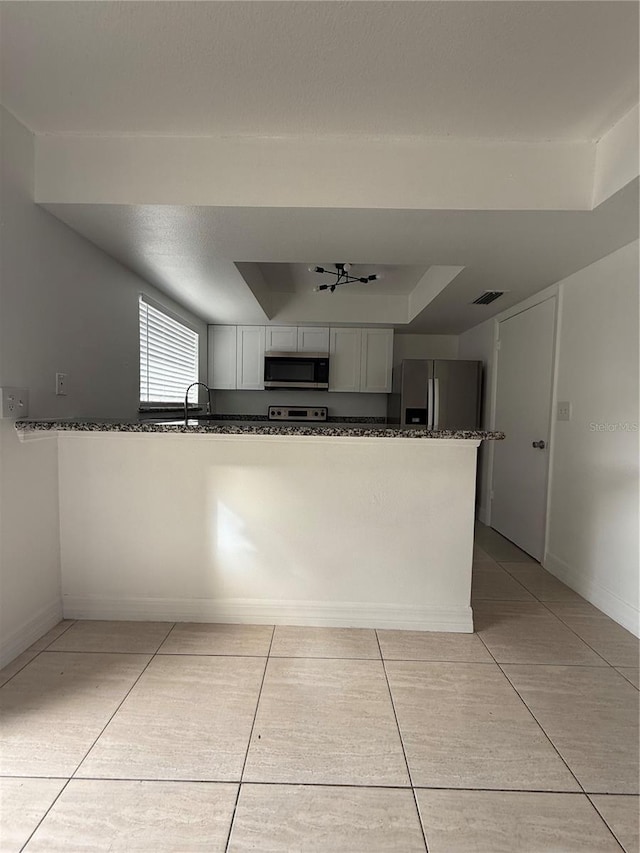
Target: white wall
{"type": "Point", "coordinates": [293, 530]}
{"type": "Point", "coordinates": [478, 344]}
{"type": "Point", "coordinates": [423, 346]}
{"type": "Point", "coordinates": [593, 513]}
{"type": "Point", "coordinates": [64, 306]}
{"type": "Point", "coordinates": [30, 597]}
{"type": "Point", "coordinates": [593, 530]}
{"type": "Point", "coordinates": [307, 171]}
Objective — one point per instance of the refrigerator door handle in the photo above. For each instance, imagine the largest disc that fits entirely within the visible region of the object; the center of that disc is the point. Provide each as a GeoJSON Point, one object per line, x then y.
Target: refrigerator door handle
{"type": "Point", "coordinates": [436, 403]}
{"type": "Point", "coordinates": [429, 404]}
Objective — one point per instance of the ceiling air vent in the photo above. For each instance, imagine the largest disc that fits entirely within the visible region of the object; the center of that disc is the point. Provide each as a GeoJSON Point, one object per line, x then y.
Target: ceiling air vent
{"type": "Point", "coordinates": [488, 297]}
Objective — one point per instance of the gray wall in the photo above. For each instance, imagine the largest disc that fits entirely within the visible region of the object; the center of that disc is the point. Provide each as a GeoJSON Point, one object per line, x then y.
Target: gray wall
{"type": "Point", "coordinates": [65, 305]}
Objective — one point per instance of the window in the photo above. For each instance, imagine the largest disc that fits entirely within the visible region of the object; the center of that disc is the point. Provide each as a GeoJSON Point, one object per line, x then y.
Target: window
{"type": "Point", "coordinates": [168, 357]}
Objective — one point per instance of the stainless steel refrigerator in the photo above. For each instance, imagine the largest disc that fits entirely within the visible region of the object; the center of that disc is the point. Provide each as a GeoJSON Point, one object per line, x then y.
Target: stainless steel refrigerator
{"type": "Point", "coordinates": [436, 394]}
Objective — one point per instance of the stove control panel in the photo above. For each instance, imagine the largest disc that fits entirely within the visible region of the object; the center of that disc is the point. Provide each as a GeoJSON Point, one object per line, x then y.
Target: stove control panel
{"type": "Point", "coordinates": [298, 413]}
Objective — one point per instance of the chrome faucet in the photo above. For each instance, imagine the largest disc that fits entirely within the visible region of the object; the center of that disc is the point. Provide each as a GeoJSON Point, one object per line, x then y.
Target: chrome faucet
{"type": "Point", "coordinates": [186, 399]}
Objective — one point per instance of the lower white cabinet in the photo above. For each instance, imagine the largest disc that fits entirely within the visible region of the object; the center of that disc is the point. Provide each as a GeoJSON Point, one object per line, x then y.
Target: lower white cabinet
{"type": "Point", "coordinates": [250, 358]}
{"type": "Point", "coordinates": [361, 360]}
{"type": "Point", "coordinates": [222, 357]}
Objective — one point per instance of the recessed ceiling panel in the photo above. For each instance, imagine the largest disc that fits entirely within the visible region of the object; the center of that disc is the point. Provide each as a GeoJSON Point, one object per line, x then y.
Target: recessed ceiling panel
{"type": "Point", "coordinates": [394, 279]}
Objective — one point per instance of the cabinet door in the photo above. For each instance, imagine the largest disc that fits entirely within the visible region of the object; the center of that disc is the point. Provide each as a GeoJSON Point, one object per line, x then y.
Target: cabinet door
{"type": "Point", "coordinates": [313, 339]}
{"type": "Point", "coordinates": [377, 361]}
{"type": "Point", "coordinates": [221, 357]}
{"type": "Point", "coordinates": [281, 338]}
{"type": "Point", "coordinates": [250, 358]}
{"type": "Point", "coordinates": [345, 357]}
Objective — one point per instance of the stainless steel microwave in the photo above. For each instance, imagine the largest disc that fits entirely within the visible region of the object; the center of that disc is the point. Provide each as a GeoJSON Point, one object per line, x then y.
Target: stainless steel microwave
{"type": "Point", "coordinates": [296, 370]}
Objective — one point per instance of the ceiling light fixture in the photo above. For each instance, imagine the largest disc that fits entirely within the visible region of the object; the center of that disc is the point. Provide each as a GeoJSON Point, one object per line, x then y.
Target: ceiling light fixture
{"type": "Point", "coordinates": [341, 272]}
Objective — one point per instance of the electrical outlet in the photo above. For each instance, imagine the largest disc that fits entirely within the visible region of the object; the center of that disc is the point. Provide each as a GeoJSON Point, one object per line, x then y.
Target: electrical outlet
{"type": "Point", "coordinates": [564, 412]}
{"type": "Point", "coordinates": [15, 403]}
{"type": "Point", "coordinates": [61, 384]}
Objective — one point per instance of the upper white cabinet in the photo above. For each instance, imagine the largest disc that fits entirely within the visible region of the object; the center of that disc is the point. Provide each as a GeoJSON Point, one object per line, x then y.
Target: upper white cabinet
{"type": "Point", "coordinates": [376, 361]}
{"type": "Point", "coordinates": [313, 339]}
{"type": "Point", "coordinates": [281, 338]}
{"type": "Point", "coordinates": [250, 358]}
{"type": "Point", "coordinates": [345, 355]}
{"type": "Point", "coordinates": [361, 360]}
{"type": "Point", "coordinates": [221, 362]}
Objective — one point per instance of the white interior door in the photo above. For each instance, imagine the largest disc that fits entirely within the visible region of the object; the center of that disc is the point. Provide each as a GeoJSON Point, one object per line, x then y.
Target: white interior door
{"type": "Point", "coordinates": [523, 408]}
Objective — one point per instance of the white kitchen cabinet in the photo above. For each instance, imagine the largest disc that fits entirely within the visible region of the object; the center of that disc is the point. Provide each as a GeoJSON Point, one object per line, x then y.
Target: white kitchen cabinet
{"type": "Point", "coordinates": [376, 361]}
{"type": "Point", "coordinates": [281, 338]}
{"type": "Point", "coordinates": [222, 357]}
{"type": "Point", "coordinates": [313, 339]}
{"type": "Point", "coordinates": [361, 360]}
{"type": "Point", "coordinates": [250, 346]}
{"type": "Point", "coordinates": [345, 356]}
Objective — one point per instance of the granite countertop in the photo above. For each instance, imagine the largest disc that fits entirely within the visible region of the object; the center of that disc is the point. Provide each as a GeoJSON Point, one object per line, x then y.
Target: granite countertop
{"type": "Point", "coordinates": [252, 425]}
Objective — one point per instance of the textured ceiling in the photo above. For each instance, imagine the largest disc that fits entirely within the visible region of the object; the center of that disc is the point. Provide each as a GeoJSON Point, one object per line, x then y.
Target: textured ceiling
{"type": "Point", "coordinates": [188, 252]}
{"type": "Point", "coordinates": [512, 70]}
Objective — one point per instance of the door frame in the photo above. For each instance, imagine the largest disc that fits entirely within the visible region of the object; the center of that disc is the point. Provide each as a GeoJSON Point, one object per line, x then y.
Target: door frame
{"type": "Point", "coordinates": [553, 292]}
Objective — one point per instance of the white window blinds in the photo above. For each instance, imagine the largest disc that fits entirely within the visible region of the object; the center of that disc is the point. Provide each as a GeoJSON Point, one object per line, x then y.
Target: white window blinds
{"type": "Point", "coordinates": [168, 357]}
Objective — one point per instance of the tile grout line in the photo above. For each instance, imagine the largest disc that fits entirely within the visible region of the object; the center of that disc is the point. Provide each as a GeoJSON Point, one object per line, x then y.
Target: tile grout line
{"type": "Point", "coordinates": [539, 724]}
{"type": "Point", "coordinates": [617, 669]}
{"type": "Point", "coordinates": [60, 792]}
{"type": "Point", "coordinates": [121, 703]}
{"type": "Point", "coordinates": [317, 657]}
{"type": "Point", "coordinates": [377, 786]}
{"type": "Point", "coordinates": [64, 787]}
{"type": "Point", "coordinates": [575, 633]}
{"type": "Point", "coordinates": [38, 652]}
{"type": "Point", "coordinates": [595, 651]}
{"type": "Point", "coordinates": [605, 821]}
{"type": "Point", "coordinates": [548, 609]}
{"type": "Point", "coordinates": [246, 755]}
{"type": "Point", "coordinates": [61, 634]}
{"type": "Point", "coordinates": [35, 657]}
{"type": "Point", "coordinates": [531, 714]}
{"type": "Point", "coordinates": [404, 753]}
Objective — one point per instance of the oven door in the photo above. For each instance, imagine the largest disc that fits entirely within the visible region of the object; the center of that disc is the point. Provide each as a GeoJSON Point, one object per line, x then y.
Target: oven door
{"type": "Point", "coordinates": [296, 370]}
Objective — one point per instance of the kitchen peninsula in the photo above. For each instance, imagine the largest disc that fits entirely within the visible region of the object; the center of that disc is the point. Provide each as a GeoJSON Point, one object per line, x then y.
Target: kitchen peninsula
{"type": "Point", "coordinates": [334, 524]}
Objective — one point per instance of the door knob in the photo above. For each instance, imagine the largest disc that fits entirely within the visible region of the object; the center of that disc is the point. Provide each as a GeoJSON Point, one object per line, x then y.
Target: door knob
{"type": "Point", "coordinates": [539, 444]}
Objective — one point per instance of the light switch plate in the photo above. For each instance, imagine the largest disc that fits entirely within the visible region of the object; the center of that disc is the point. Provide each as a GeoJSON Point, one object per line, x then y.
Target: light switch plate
{"type": "Point", "coordinates": [15, 403]}
{"type": "Point", "coordinates": [62, 380]}
{"type": "Point", "coordinates": [564, 412]}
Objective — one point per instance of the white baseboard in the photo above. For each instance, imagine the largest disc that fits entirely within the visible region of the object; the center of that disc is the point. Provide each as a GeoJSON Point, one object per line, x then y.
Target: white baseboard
{"type": "Point", "coordinates": [12, 645]}
{"type": "Point", "coordinates": [259, 612]}
{"type": "Point", "coordinates": [624, 613]}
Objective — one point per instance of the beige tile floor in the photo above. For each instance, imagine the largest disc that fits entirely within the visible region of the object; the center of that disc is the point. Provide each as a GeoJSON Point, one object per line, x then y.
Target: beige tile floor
{"type": "Point", "coordinates": [162, 737]}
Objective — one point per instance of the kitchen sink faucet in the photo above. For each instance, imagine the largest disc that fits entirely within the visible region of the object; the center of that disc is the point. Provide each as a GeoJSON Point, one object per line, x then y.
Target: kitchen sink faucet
{"type": "Point", "coordinates": [186, 399]}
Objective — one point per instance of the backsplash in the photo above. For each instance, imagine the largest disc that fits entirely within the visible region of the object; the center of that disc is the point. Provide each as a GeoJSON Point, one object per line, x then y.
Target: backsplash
{"type": "Point", "coordinates": [339, 404]}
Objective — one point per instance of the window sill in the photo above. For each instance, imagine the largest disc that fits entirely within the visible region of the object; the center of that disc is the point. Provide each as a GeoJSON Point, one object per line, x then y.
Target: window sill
{"type": "Point", "coordinates": [159, 408]}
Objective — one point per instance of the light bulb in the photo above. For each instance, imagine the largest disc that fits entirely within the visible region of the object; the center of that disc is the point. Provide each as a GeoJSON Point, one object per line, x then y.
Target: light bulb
{"type": "Point", "coordinates": [346, 267]}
